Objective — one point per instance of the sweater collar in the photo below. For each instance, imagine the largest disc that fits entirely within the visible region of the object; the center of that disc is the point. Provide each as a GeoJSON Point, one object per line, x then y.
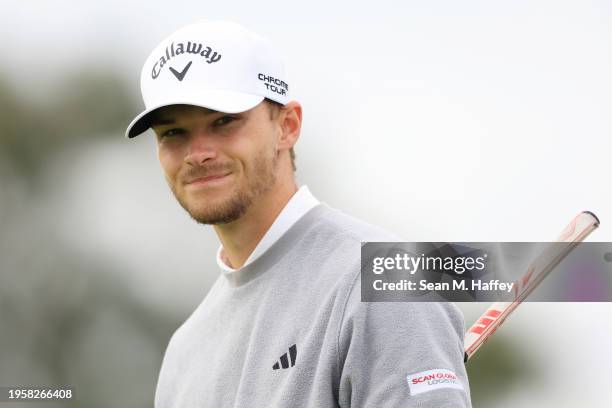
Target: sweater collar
{"type": "Point", "coordinates": [300, 203]}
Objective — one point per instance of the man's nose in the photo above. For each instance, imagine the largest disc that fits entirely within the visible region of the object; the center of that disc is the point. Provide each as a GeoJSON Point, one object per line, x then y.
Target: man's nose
{"type": "Point", "coordinates": [201, 148]}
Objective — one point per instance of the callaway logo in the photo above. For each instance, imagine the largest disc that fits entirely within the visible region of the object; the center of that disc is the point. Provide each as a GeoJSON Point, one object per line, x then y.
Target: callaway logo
{"type": "Point", "coordinates": [209, 55]}
{"type": "Point", "coordinates": [181, 75]}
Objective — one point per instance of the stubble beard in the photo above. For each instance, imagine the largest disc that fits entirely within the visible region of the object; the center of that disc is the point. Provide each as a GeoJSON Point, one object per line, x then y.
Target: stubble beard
{"type": "Point", "coordinates": [240, 199]}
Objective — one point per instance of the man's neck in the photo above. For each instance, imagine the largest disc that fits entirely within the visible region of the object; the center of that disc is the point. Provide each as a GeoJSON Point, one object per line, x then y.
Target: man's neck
{"type": "Point", "coordinates": [239, 238]}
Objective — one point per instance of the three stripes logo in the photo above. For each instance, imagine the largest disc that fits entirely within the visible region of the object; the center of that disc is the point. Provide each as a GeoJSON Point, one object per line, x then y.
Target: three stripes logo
{"type": "Point", "coordinates": [285, 360]}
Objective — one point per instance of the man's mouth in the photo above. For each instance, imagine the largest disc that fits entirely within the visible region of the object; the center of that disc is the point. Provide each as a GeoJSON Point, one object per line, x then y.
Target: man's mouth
{"type": "Point", "coordinates": [210, 179]}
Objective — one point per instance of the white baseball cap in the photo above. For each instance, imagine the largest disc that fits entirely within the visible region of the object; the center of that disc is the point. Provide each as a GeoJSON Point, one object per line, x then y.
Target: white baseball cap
{"type": "Point", "coordinates": [219, 65]}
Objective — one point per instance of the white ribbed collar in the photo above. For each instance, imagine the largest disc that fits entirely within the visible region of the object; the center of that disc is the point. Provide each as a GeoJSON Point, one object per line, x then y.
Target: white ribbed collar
{"type": "Point", "coordinates": [299, 204]}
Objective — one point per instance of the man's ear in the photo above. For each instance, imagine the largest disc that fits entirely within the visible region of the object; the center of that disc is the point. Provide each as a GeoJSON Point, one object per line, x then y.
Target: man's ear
{"type": "Point", "coordinates": [290, 118]}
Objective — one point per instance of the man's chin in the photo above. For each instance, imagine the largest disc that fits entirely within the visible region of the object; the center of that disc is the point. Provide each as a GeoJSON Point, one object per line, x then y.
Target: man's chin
{"type": "Point", "coordinates": [217, 213]}
{"type": "Point", "coordinates": [215, 218]}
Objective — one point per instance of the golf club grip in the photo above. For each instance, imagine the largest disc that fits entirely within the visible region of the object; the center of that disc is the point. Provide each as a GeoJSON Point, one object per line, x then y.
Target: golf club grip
{"type": "Point", "coordinates": [576, 231]}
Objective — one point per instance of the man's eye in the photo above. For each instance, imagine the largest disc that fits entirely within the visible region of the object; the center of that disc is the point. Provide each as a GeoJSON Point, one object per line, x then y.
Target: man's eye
{"type": "Point", "coordinates": [224, 120]}
{"type": "Point", "coordinates": [173, 132]}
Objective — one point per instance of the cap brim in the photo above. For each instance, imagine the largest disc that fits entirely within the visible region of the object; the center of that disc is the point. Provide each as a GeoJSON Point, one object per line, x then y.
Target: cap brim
{"type": "Point", "coordinates": [217, 100]}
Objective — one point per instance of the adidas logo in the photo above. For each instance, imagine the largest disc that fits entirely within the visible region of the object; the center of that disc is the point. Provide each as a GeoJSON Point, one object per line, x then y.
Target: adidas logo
{"type": "Point", "coordinates": [284, 360]}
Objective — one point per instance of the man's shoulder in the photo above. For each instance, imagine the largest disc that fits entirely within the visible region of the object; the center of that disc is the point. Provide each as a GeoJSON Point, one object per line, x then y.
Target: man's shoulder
{"type": "Point", "coordinates": [336, 238]}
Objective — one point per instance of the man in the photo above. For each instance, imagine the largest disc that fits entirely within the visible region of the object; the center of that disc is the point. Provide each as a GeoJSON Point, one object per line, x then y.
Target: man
{"type": "Point", "coordinates": [283, 325]}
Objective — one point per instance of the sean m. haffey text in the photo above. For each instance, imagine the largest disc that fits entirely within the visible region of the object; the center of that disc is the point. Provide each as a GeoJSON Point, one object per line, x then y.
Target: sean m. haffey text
{"type": "Point", "coordinates": [472, 266]}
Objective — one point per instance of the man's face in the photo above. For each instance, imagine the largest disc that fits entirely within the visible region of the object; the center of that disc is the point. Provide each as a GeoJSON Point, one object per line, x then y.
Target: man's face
{"type": "Point", "coordinates": [217, 164]}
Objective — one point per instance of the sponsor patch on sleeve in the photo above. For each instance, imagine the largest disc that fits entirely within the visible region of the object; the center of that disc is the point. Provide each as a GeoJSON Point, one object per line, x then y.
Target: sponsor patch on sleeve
{"type": "Point", "coordinates": [433, 380]}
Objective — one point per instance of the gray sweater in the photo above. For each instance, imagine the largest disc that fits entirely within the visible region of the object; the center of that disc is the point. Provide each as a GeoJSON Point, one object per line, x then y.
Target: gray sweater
{"type": "Point", "coordinates": [290, 330]}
